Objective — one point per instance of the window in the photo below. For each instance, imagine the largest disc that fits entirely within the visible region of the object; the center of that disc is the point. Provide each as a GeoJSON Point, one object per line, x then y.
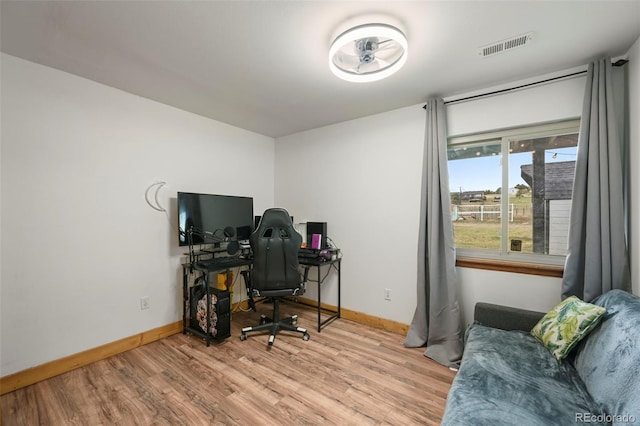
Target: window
{"type": "Point", "coordinates": [511, 192]}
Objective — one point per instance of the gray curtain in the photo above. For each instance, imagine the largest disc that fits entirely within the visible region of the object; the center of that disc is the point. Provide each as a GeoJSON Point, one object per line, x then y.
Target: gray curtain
{"type": "Point", "coordinates": [436, 322]}
{"type": "Point", "coordinates": [597, 258]}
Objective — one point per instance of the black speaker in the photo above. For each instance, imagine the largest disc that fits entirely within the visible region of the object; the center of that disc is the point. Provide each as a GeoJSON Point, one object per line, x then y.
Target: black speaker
{"type": "Point", "coordinates": [220, 305]}
{"type": "Point", "coordinates": [317, 228]}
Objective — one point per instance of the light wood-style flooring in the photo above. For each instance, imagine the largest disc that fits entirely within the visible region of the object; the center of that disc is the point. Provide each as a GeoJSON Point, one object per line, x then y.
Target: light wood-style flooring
{"type": "Point", "coordinates": [349, 374]}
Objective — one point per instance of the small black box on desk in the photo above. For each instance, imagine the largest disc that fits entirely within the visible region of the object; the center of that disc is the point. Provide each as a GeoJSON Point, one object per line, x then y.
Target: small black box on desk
{"type": "Point", "coordinates": [317, 228]}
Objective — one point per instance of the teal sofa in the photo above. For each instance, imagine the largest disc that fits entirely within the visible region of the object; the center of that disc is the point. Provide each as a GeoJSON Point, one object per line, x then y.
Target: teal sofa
{"type": "Point", "coordinates": [507, 377]}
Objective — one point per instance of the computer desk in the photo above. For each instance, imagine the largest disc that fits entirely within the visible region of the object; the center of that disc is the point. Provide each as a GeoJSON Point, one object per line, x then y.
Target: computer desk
{"type": "Point", "coordinates": [317, 263]}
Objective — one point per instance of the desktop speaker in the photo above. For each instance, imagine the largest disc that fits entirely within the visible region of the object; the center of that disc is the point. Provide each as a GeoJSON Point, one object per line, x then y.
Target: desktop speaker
{"type": "Point", "coordinates": [318, 228]}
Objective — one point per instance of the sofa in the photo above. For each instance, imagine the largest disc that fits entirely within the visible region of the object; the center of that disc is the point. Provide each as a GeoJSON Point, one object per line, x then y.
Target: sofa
{"type": "Point", "coordinates": [508, 377]}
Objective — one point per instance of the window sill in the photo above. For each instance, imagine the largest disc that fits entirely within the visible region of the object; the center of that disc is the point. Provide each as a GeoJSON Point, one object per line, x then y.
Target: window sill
{"type": "Point", "coordinates": [516, 267]}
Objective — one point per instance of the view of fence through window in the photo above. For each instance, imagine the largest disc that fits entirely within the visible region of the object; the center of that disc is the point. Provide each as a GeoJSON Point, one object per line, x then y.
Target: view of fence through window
{"type": "Point", "coordinates": [531, 215]}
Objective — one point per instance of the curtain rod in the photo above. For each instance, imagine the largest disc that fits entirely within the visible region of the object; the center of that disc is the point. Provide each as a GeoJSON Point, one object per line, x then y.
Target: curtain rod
{"type": "Point", "coordinates": [618, 63]}
{"type": "Point", "coordinates": [535, 83]}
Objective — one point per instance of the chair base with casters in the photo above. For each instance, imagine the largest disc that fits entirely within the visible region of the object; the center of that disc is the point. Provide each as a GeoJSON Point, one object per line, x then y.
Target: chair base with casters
{"type": "Point", "coordinates": [275, 324]}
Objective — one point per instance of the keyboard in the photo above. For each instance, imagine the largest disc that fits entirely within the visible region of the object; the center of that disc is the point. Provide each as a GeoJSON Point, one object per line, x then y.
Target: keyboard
{"type": "Point", "coordinates": [305, 253]}
{"type": "Point", "coordinates": [222, 262]}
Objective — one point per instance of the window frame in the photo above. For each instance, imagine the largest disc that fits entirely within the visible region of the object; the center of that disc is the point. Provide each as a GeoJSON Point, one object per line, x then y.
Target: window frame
{"type": "Point", "coordinates": [503, 259]}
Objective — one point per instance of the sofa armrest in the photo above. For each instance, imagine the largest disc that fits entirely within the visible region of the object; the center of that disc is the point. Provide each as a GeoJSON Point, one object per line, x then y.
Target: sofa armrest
{"type": "Point", "coordinates": [505, 317]}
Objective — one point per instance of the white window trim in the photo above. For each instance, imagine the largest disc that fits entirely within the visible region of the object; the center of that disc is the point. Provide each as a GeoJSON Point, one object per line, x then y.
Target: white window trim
{"type": "Point", "coordinates": [505, 137]}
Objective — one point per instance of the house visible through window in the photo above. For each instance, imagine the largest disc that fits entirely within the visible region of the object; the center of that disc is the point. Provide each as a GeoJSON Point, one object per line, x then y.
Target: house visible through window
{"type": "Point", "coordinates": [511, 192]}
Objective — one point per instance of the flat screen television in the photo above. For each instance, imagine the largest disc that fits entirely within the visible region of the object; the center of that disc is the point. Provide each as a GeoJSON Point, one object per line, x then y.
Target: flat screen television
{"type": "Point", "coordinates": [209, 215]}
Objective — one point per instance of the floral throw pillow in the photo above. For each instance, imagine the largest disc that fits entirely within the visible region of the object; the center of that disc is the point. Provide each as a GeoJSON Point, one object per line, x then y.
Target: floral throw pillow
{"type": "Point", "coordinates": [566, 324]}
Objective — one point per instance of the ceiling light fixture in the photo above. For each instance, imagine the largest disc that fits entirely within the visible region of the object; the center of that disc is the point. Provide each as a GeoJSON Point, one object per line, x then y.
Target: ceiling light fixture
{"type": "Point", "coordinates": [368, 52]}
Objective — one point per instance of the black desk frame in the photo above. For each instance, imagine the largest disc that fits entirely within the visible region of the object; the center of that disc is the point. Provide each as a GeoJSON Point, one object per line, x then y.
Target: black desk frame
{"type": "Point", "coordinates": [187, 268]}
{"type": "Point", "coordinates": [318, 264]}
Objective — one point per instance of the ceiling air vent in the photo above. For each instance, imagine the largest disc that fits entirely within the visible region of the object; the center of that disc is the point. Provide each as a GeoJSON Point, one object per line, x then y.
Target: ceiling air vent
{"type": "Point", "coordinates": [505, 45]}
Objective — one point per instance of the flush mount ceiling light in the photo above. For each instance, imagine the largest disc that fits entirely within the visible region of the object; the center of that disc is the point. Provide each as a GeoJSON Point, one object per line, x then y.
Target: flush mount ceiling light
{"type": "Point", "coordinates": [368, 52]}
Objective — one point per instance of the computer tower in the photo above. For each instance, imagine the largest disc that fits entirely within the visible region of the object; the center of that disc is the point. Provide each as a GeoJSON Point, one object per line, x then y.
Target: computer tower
{"type": "Point", "coordinates": [220, 311]}
{"type": "Point", "coordinates": [317, 228]}
{"type": "Point", "coordinates": [223, 309]}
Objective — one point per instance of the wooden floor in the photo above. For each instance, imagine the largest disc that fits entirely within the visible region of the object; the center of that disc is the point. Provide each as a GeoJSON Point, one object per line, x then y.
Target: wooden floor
{"type": "Point", "coordinates": [348, 374]}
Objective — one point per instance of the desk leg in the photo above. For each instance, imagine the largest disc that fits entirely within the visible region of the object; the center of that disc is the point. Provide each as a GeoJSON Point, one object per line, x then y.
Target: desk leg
{"type": "Point", "coordinates": [208, 290]}
{"type": "Point", "coordinates": [319, 301]}
{"type": "Point", "coordinates": [339, 283]}
{"type": "Point", "coordinates": [185, 299]}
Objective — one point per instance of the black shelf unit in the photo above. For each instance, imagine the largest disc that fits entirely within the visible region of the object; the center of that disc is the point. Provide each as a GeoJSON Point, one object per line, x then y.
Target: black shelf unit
{"type": "Point", "coordinates": [220, 302]}
{"type": "Point", "coordinates": [192, 294]}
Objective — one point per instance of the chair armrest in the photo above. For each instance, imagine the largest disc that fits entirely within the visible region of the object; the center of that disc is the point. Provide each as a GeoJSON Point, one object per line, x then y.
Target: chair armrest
{"type": "Point", "coordinates": [506, 317]}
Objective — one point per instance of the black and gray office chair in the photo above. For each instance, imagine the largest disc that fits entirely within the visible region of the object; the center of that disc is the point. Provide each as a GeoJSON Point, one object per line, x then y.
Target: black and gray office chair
{"type": "Point", "coordinates": [275, 273]}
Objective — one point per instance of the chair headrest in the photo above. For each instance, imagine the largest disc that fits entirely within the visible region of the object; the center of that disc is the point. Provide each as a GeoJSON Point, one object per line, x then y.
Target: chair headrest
{"type": "Point", "coordinates": [275, 217]}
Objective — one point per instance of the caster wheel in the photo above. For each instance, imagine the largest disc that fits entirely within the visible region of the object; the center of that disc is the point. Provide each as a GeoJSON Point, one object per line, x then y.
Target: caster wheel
{"type": "Point", "coordinates": [263, 319]}
{"type": "Point", "coordinates": [306, 336]}
{"type": "Point", "coordinates": [294, 321]}
{"type": "Point", "coordinates": [243, 336]}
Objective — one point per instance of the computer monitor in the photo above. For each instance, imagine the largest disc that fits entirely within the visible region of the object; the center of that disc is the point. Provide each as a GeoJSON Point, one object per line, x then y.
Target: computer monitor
{"type": "Point", "coordinates": [208, 215]}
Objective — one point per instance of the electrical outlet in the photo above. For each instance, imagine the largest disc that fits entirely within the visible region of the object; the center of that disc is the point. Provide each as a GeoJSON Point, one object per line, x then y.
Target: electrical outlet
{"type": "Point", "coordinates": [145, 303]}
{"type": "Point", "coordinates": [387, 294]}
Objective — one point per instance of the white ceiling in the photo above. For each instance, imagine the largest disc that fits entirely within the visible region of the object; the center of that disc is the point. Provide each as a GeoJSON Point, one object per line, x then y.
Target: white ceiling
{"type": "Point", "coordinates": [263, 66]}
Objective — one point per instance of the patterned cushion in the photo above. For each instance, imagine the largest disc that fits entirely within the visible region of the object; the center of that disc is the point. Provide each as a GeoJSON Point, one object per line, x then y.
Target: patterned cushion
{"type": "Point", "coordinates": [566, 324]}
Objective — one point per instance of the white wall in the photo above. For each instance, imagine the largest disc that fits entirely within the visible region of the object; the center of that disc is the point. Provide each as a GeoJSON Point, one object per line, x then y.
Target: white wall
{"type": "Point", "coordinates": [634, 138]}
{"type": "Point", "coordinates": [80, 246]}
{"type": "Point", "coordinates": [363, 178]}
